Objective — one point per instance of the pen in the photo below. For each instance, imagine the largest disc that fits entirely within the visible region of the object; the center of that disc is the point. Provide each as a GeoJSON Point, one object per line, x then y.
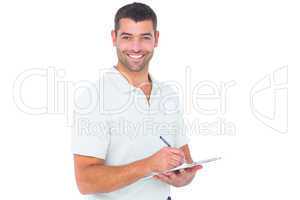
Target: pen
{"type": "Point", "coordinates": [165, 141]}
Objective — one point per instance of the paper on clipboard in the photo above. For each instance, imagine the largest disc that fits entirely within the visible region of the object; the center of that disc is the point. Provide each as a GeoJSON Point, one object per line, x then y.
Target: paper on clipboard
{"type": "Point", "coordinates": [184, 166]}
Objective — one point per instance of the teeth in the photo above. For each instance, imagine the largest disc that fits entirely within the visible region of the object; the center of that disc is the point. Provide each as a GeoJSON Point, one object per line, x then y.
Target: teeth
{"type": "Point", "coordinates": [135, 56]}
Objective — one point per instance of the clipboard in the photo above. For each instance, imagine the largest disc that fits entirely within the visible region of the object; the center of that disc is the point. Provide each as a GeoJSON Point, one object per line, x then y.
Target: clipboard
{"type": "Point", "coordinates": [184, 166]}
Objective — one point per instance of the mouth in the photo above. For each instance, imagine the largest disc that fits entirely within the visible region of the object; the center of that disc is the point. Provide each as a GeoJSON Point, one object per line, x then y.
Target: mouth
{"type": "Point", "coordinates": [135, 56]}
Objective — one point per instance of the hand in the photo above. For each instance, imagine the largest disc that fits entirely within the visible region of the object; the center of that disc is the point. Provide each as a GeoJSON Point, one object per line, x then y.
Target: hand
{"type": "Point", "coordinates": [165, 159]}
{"type": "Point", "coordinates": [179, 179]}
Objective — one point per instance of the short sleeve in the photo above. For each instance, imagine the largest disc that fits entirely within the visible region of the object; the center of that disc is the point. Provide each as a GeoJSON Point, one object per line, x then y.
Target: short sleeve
{"type": "Point", "coordinates": [90, 132]}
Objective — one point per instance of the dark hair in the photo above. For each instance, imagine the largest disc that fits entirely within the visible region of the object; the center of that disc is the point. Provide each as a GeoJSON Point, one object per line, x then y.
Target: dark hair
{"type": "Point", "coordinates": [137, 12]}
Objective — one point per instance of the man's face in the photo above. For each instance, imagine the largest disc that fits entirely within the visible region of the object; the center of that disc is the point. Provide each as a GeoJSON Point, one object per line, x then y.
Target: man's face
{"type": "Point", "coordinates": [135, 43]}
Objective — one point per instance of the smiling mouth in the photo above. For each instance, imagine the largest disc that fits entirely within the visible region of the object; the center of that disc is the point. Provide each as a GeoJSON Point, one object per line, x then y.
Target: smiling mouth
{"type": "Point", "coordinates": [136, 57]}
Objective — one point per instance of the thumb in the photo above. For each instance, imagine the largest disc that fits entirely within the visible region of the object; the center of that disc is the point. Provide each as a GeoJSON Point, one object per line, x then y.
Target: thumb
{"type": "Point", "coordinates": [194, 169]}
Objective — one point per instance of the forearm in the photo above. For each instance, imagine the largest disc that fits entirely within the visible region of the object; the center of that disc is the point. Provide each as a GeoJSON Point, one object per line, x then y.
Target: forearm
{"type": "Point", "coordinates": [104, 178]}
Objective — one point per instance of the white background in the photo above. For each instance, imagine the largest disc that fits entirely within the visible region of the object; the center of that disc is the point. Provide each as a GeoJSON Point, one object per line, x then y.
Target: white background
{"type": "Point", "coordinates": [221, 41]}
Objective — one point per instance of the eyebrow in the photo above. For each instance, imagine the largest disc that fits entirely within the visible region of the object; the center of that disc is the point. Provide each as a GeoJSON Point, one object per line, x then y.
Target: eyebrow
{"type": "Point", "coordinates": [147, 34]}
{"type": "Point", "coordinates": [129, 34]}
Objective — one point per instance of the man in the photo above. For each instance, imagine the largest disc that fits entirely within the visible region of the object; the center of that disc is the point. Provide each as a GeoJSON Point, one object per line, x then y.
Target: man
{"type": "Point", "coordinates": [111, 161]}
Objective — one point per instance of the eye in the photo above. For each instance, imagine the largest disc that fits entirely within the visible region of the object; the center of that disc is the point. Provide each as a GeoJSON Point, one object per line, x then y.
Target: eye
{"type": "Point", "coordinates": [125, 37]}
{"type": "Point", "coordinates": [147, 38]}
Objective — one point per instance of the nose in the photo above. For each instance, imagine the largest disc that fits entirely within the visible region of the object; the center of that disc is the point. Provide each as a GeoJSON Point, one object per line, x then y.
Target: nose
{"type": "Point", "coordinates": [136, 46]}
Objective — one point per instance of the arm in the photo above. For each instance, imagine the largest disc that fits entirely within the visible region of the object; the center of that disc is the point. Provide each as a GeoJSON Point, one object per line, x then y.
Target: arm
{"type": "Point", "coordinates": [93, 176]}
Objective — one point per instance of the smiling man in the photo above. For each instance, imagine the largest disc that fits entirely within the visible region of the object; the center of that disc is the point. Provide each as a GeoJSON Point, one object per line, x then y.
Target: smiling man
{"type": "Point", "coordinates": [109, 161]}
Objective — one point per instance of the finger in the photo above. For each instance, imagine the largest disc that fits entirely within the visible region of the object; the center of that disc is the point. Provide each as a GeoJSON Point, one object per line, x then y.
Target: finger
{"type": "Point", "coordinates": [194, 169]}
{"type": "Point", "coordinates": [168, 173]}
{"type": "Point", "coordinates": [197, 167]}
{"type": "Point", "coordinates": [180, 173]}
{"type": "Point", "coordinates": [177, 158]}
{"type": "Point", "coordinates": [172, 176]}
{"type": "Point", "coordinates": [158, 177]}
{"type": "Point", "coordinates": [174, 163]}
{"type": "Point", "coordinates": [164, 178]}
{"type": "Point", "coordinates": [176, 151]}
{"type": "Point", "coordinates": [191, 170]}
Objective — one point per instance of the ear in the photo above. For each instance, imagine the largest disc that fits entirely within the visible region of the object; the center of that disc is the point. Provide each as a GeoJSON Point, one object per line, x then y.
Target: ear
{"type": "Point", "coordinates": [156, 38]}
{"type": "Point", "coordinates": [114, 37]}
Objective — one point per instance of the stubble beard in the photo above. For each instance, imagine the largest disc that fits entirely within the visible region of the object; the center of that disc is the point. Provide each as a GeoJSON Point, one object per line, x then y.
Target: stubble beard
{"type": "Point", "coordinates": [122, 57]}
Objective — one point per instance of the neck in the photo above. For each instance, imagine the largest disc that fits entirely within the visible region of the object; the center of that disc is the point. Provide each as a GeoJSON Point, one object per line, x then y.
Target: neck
{"type": "Point", "coordinates": [136, 79]}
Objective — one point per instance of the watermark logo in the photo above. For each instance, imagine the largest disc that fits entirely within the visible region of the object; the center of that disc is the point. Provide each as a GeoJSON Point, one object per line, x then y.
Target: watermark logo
{"type": "Point", "coordinates": [204, 103]}
{"type": "Point", "coordinates": [269, 100]}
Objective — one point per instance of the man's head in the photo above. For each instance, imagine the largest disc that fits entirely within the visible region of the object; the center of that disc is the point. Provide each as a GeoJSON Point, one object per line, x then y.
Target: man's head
{"type": "Point", "coordinates": [135, 35]}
